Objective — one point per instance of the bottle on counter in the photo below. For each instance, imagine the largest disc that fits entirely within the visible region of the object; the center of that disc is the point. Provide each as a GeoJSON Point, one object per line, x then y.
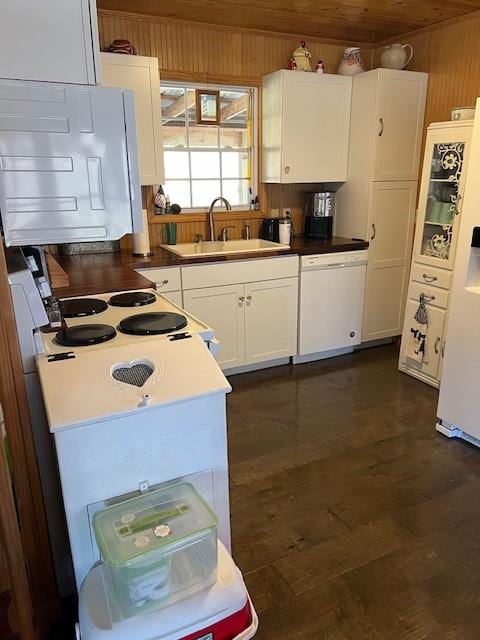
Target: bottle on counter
{"type": "Point", "coordinates": [256, 204]}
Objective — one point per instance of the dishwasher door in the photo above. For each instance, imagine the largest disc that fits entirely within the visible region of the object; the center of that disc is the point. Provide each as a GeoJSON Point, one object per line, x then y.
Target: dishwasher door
{"type": "Point", "coordinates": [332, 289]}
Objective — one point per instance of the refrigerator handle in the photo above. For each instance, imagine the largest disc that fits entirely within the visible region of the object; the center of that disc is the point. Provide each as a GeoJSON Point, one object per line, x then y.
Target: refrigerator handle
{"type": "Point", "coordinates": [132, 159]}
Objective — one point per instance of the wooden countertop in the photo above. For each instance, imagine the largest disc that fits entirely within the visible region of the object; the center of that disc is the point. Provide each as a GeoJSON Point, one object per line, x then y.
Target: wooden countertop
{"type": "Point", "coordinates": [106, 272]}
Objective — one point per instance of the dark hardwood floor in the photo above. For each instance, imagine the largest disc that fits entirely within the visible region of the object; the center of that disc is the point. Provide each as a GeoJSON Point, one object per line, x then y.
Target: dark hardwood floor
{"type": "Point", "coordinates": [352, 518]}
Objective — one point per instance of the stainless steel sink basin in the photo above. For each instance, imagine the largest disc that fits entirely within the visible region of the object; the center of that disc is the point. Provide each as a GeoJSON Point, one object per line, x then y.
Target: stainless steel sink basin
{"type": "Point", "coordinates": [219, 248]}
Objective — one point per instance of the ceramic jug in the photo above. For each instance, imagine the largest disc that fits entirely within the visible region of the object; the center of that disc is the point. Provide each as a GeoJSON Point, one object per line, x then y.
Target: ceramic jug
{"type": "Point", "coordinates": [395, 56]}
{"type": "Point", "coordinates": [351, 63]}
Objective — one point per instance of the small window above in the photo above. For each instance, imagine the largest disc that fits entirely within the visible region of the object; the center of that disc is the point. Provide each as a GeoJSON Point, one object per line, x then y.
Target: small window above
{"type": "Point", "coordinates": [205, 161]}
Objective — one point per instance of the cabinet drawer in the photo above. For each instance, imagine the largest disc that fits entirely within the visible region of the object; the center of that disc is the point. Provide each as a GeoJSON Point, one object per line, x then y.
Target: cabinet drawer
{"type": "Point", "coordinates": [166, 279]}
{"type": "Point", "coordinates": [431, 276]}
{"type": "Point", "coordinates": [433, 296]}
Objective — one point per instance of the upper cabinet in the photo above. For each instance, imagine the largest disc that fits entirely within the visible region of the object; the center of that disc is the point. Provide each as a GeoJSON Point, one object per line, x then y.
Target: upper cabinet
{"type": "Point", "coordinates": [386, 131]}
{"type": "Point", "coordinates": [51, 40]}
{"type": "Point", "coordinates": [140, 74]}
{"type": "Point", "coordinates": [305, 127]}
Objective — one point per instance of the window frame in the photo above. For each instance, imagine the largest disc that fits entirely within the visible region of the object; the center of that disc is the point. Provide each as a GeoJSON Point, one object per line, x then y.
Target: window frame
{"type": "Point", "coordinates": [255, 139]}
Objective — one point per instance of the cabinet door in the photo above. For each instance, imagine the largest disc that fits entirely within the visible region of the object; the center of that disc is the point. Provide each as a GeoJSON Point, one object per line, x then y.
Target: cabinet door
{"type": "Point", "coordinates": [51, 40]}
{"type": "Point", "coordinates": [222, 308]}
{"type": "Point", "coordinates": [392, 211]}
{"type": "Point", "coordinates": [400, 109]}
{"type": "Point", "coordinates": [431, 364]}
{"type": "Point", "coordinates": [443, 182]}
{"type": "Point", "coordinates": [67, 166]}
{"type": "Point", "coordinates": [271, 319]}
{"type": "Point", "coordinates": [174, 296]}
{"type": "Point", "coordinates": [140, 74]}
{"type": "Point", "coordinates": [316, 126]}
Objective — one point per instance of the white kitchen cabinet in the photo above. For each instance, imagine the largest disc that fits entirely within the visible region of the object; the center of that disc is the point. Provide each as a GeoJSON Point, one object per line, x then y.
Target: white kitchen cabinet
{"type": "Point", "coordinates": [392, 214]}
{"type": "Point", "coordinates": [51, 40]}
{"type": "Point", "coordinates": [445, 165]}
{"type": "Point", "coordinates": [222, 308]}
{"type": "Point", "coordinates": [140, 74]}
{"type": "Point", "coordinates": [429, 369]}
{"type": "Point", "coordinates": [270, 319]}
{"type": "Point", "coordinates": [305, 127]}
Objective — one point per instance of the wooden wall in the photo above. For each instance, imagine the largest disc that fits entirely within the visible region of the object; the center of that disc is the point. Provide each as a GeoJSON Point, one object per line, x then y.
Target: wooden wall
{"type": "Point", "coordinates": [450, 53]}
{"type": "Point", "coordinates": [207, 53]}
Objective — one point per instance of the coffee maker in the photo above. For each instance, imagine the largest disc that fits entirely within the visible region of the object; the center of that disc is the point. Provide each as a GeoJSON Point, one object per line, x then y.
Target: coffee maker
{"type": "Point", "coordinates": [319, 212]}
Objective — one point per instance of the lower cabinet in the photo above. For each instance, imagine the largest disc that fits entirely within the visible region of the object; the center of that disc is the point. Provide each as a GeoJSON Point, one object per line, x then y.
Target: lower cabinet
{"type": "Point", "coordinates": [429, 369]}
{"type": "Point", "coordinates": [222, 308]}
{"type": "Point", "coordinates": [254, 322]}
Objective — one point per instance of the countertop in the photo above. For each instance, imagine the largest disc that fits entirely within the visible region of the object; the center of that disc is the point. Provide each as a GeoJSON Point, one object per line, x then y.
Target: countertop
{"type": "Point", "coordinates": [106, 272]}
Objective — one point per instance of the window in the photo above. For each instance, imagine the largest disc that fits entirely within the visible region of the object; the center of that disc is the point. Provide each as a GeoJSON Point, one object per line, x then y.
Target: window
{"type": "Point", "coordinates": [206, 161]}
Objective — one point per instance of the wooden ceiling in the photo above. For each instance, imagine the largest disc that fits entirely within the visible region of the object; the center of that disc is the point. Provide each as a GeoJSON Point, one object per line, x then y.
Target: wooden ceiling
{"type": "Point", "coordinates": [368, 21]}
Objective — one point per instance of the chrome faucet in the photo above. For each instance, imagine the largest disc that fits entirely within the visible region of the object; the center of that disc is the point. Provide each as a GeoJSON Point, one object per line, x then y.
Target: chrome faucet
{"type": "Point", "coordinates": [210, 215]}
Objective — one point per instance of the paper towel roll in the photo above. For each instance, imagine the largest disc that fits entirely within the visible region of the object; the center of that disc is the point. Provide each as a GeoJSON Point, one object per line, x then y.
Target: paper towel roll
{"type": "Point", "coordinates": [141, 240]}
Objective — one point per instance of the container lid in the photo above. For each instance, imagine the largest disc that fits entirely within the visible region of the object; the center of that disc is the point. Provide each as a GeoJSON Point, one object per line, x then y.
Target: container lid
{"type": "Point", "coordinates": [160, 520]}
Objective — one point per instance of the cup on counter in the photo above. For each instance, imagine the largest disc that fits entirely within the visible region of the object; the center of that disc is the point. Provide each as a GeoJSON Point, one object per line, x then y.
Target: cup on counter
{"type": "Point", "coordinates": [171, 232]}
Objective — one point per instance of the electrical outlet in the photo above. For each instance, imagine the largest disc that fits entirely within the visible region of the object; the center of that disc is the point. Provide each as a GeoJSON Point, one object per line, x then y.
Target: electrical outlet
{"type": "Point", "coordinates": [286, 212]}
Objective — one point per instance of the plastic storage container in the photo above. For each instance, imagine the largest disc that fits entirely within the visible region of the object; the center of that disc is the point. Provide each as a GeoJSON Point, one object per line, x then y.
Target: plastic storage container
{"type": "Point", "coordinates": [159, 547]}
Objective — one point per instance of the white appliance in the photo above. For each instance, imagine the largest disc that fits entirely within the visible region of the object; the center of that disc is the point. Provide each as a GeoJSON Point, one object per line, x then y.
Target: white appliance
{"type": "Point", "coordinates": [458, 406]}
{"type": "Point", "coordinates": [332, 288]}
{"type": "Point", "coordinates": [68, 163]}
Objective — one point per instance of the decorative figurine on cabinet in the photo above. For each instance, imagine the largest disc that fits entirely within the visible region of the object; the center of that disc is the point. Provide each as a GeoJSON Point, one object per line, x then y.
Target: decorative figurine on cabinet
{"type": "Point", "coordinates": [292, 65]}
{"type": "Point", "coordinates": [352, 62]}
{"type": "Point", "coordinates": [302, 57]}
{"type": "Point", "coordinates": [320, 67]}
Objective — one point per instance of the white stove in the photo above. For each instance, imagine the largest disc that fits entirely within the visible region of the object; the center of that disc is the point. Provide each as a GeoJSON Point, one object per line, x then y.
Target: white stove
{"type": "Point", "coordinates": [103, 312]}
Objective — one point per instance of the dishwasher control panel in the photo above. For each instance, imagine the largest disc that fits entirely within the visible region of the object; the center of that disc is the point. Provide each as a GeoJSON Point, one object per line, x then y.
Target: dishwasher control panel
{"type": "Point", "coordinates": [333, 260]}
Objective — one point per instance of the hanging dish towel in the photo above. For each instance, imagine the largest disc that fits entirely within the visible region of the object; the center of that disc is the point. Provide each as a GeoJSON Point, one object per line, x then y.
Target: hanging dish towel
{"type": "Point", "coordinates": [417, 342]}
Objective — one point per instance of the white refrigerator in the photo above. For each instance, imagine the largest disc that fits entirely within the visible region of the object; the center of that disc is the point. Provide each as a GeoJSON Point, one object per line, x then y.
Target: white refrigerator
{"type": "Point", "coordinates": [459, 401]}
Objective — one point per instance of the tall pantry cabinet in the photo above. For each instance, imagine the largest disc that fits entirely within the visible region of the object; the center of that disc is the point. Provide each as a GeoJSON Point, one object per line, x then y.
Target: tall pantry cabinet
{"type": "Point", "coordinates": [377, 202]}
{"type": "Point", "coordinates": [439, 211]}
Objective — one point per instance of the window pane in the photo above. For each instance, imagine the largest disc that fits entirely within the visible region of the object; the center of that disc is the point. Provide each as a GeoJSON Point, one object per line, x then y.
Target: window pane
{"type": "Point", "coordinates": [174, 135]}
{"type": "Point", "coordinates": [233, 137]}
{"type": "Point", "coordinates": [205, 164]}
{"type": "Point", "coordinates": [173, 103]}
{"type": "Point", "coordinates": [202, 136]}
{"type": "Point", "coordinates": [235, 164]}
{"type": "Point", "coordinates": [176, 164]}
{"type": "Point", "coordinates": [204, 191]}
{"type": "Point", "coordinates": [234, 107]}
{"type": "Point", "coordinates": [236, 191]}
{"type": "Point", "coordinates": [191, 111]}
{"type": "Point", "coordinates": [178, 192]}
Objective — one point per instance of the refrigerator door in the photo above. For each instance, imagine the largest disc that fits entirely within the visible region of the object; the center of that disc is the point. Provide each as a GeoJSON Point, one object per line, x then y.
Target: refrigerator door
{"type": "Point", "coordinates": [68, 163]}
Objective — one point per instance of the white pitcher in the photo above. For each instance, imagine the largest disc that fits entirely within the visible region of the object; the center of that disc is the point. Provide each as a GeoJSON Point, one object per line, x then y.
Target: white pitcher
{"type": "Point", "coordinates": [395, 56]}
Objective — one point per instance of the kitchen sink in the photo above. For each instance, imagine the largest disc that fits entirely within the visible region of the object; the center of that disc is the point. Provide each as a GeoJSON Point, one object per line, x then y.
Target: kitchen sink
{"type": "Point", "coordinates": [220, 248]}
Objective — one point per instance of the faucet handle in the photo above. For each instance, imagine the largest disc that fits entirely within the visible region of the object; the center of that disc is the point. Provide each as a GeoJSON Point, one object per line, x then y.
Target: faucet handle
{"type": "Point", "coordinates": [199, 238]}
{"type": "Point", "coordinates": [224, 233]}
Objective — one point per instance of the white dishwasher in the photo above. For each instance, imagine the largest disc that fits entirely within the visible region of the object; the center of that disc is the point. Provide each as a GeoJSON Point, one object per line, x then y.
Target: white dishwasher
{"type": "Point", "coordinates": [332, 288]}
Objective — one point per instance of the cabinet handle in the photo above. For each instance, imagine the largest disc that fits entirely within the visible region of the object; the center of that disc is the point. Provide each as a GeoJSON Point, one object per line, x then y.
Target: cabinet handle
{"type": "Point", "coordinates": [380, 131]}
{"type": "Point", "coordinates": [374, 232]}
{"type": "Point", "coordinates": [249, 299]}
{"type": "Point", "coordinates": [287, 169]}
{"type": "Point", "coordinates": [162, 283]}
{"type": "Point", "coordinates": [428, 278]}
{"type": "Point", "coordinates": [241, 299]}
{"type": "Point", "coordinates": [437, 342]}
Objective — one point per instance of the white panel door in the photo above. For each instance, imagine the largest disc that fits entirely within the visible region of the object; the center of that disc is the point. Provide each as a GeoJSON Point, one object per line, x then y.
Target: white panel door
{"type": "Point", "coordinates": [392, 213]}
{"type": "Point", "coordinates": [67, 171]}
{"type": "Point", "coordinates": [431, 364]}
{"type": "Point", "coordinates": [140, 74]}
{"type": "Point", "coordinates": [49, 40]}
{"type": "Point", "coordinates": [222, 308]}
{"type": "Point", "coordinates": [316, 127]}
{"type": "Point", "coordinates": [401, 108]}
{"type": "Point", "coordinates": [270, 319]}
{"type": "Point", "coordinates": [175, 297]}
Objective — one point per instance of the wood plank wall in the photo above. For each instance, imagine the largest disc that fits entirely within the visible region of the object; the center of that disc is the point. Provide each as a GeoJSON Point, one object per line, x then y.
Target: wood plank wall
{"type": "Point", "coordinates": [207, 53]}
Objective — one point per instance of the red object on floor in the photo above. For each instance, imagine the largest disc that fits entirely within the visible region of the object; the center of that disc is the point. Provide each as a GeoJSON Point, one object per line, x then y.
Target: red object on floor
{"type": "Point", "coordinates": [226, 629]}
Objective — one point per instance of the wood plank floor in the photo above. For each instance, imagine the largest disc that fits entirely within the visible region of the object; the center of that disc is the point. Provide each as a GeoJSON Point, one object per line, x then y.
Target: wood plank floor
{"type": "Point", "coordinates": [352, 518]}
